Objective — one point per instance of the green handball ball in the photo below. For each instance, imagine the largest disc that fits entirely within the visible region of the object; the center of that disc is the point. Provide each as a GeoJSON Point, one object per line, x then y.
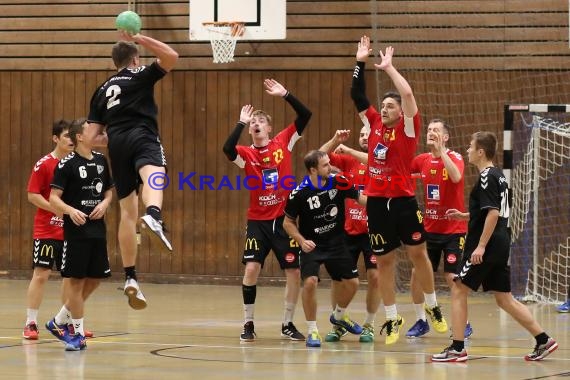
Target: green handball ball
{"type": "Point", "coordinates": [129, 21]}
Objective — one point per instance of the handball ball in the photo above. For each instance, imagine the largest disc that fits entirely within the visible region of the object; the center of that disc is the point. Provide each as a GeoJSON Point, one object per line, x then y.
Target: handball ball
{"type": "Point", "coordinates": [129, 21]}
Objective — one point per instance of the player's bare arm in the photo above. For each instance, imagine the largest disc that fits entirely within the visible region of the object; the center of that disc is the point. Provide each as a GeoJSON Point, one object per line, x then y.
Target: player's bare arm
{"type": "Point", "coordinates": [166, 56]}
{"type": "Point", "coordinates": [40, 202]}
{"type": "Point", "coordinates": [452, 169]}
{"type": "Point", "coordinates": [360, 156]}
{"type": "Point", "coordinates": [455, 214]}
{"type": "Point", "coordinates": [290, 226]}
{"type": "Point", "coordinates": [101, 209]}
{"type": "Point", "coordinates": [340, 136]}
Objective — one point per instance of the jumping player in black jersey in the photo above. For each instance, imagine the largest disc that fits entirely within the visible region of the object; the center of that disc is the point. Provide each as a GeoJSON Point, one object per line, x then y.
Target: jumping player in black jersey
{"type": "Point", "coordinates": [125, 105]}
{"type": "Point", "coordinates": [81, 191]}
{"type": "Point", "coordinates": [486, 255]}
{"type": "Point", "coordinates": [314, 217]}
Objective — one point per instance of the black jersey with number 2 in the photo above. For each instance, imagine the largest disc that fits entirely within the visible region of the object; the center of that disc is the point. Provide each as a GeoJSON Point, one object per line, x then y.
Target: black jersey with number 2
{"type": "Point", "coordinates": [320, 209]}
{"type": "Point", "coordinates": [126, 99]}
{"type": "Point", "coordinates": [84, 183]}
{"type": "Point", "coordinates": [489, 192]}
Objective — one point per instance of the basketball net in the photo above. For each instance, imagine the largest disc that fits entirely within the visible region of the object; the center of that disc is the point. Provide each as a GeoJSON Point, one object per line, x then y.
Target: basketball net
{"type": "Point", "coordinates": [223, 37]}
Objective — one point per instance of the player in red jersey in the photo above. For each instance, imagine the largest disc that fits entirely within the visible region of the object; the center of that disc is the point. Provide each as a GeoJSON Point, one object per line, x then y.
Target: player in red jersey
{"type": "Point", "coordinates": [356, 228]}
{"type": "Point", "coordinates": [267, 163]}
{"type": "Point", "coordinates": [441, 171]}
{"type": "Point", "coordinates": [48, 227]}
{"type": "Point", "coordinates": [393, 214]}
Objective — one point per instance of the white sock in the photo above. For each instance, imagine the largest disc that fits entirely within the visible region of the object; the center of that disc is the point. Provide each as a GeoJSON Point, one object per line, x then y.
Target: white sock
{"type": "Point", "coordinates": [370, 318]}
{"type": "Point", "coordinates": [78, 326]}
{"type": "Point", "coordinates": [31, 316]}
{"type": "Point", "coordinates": [420, 311]}
{"type": "Point", "coordinates": [391, 312]}
{"type": "Point", "coordinates": [338, 312]}
{"type": "Point", "coordinates": [431, 301]}
{"type": "Point", "coordinates": [288, 312]}
{"type": "Point", "coordinates": [248, 312]}
{"type": "Point", "coordinates": [312, 327]}
{"type": "Point", "coordinates": [63, 317]}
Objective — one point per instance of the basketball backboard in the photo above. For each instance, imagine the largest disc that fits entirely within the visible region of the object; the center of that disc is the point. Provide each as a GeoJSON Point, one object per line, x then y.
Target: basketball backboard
{"type": "Point", "coordinates": [264, 19]}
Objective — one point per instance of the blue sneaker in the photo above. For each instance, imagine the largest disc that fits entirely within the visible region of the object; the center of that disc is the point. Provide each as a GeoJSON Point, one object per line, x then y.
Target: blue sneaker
{"type": "Point", "coordinates": [468, 330]}
{"type": "Point", "coordinates": [76, 343]}
{"type": "Point", "coordinates": [351, 326]}
{"type": "Point", "coordinates": [420, 328]}
{"type": "Point", "coordinates": [314, 339]}
{"type": "Point", "coordinates": [564, 308]}
{"type": "Point", "coordinates": [61, 332]}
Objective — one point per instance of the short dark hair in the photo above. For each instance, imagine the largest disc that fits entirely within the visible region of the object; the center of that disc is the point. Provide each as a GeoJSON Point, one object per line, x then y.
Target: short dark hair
{"type": "Point", "coordinates": [394, 95]}
{"type": "Point", "coordinates": [58, 127]}
{"type": "Point", "coordinates": [486, 141]}
{"type": "Point", "coordinates": [76, 128]}
{"type": "Point", "coordinates": [123, 53]}
{"type": "Point", "coordinates": [312, 159]}
{"type": "Point", "coordinates": [446, 126]}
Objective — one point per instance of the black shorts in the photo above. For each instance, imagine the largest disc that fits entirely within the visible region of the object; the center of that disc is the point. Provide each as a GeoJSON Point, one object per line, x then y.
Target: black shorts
{"type": "Point", "coordinates": [129, 150]}
{"type": "Point", "coordinates": [494, 273]}
{"type": "Point", "coordinates": [393, 221]}
{"type": "Point", "coordinates": [85, 258]}
{"type": "Point", "coordinates": [338, 263]}
{"type": "Point", "coordinates": [452, 247]}
{"type": "Point", "coordinates": [263, 236]}
{"type": "Point", "coordinates": [355, 244]}
{"type": "Point", "coordinates": [47, 253]}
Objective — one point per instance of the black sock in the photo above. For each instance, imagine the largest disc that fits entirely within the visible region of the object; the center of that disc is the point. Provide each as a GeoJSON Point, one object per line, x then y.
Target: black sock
{"type": "Point", "coordinates": [249, 292]}
{"type": "Point", "coordinates": [154, 211]}
{"type": "Point", "coordinates": [458, 345]}
{"type": "Point", "coordinates": [541, 338]}
{"type": "Point", "coordinates": [130, 272]}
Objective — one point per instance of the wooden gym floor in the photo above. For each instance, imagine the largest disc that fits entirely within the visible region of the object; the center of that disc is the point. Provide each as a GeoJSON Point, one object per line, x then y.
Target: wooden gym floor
{"type": "Point", "coordinates": [192, 331]}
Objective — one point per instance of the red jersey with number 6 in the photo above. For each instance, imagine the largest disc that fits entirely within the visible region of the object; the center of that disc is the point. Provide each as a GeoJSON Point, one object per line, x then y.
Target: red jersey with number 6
{"type": "Point", "coordinates": [390, 154]}
{"type": "Point", "coordinates": [440, 193]}
{"type": "Point", "coordinates": [269, 174]}
{"type": "Point", "coordinates": [46, 224]}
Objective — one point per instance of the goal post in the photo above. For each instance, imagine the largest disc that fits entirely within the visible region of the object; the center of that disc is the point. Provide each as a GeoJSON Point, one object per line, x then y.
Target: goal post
{"type": "Point", "coordinates": [538, 168]}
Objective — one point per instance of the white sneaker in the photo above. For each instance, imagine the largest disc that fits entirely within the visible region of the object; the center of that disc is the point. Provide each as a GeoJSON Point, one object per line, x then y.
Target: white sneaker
{"type": "Point", "coordinates": [134, 294]}
{"type": "Point", "coordinates": [156, 227]}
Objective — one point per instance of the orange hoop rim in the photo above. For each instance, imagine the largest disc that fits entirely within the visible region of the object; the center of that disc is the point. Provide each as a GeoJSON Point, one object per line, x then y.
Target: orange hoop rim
{"type": "Point", "coordinates": [223, 23]}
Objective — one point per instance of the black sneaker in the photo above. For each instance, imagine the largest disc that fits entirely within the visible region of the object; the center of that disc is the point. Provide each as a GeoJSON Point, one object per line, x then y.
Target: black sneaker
{"type": "Point", "coordinates": [157, 227]}
{"type": "Point", "coordinates": [290, 331]}
{"type": "Point", "coordinates": [248, 334]}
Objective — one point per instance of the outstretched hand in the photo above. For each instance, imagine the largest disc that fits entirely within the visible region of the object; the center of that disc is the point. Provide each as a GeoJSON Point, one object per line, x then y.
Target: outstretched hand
{"type": "Point", "coordinates": [272, 87]}
{"type": "Point", "coordinates": [246, 114]}
{"type": "Point", "coordinates": [126, 36]}
{"type": "Point", "coordinates": [386, 59]}
{"type": "Point", "coordinates": [363, 49]}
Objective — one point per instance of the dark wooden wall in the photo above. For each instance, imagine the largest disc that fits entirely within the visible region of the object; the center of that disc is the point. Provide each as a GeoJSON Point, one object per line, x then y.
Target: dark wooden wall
{"type": "Point", "coordinates": [464, 59]}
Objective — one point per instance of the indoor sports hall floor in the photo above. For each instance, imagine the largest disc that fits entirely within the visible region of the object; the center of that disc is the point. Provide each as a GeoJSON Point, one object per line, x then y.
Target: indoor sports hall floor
{"type": "Point", "coordinates": [192, 332]}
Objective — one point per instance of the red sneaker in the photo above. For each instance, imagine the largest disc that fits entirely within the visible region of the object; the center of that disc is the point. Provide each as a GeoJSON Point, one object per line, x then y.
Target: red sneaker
{"type": "Point", "coordinates": [31, 331]}
{"type": "Point", "coordinates": [88, 334]}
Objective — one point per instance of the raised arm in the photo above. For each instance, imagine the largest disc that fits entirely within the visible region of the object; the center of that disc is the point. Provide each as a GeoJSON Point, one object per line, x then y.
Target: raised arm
{"type": "Point", "coordinates": [274, 88]}
{"type": "Point", "coordinates": [358, 88]}
{"type": "Point", "coordinates": [409, 105]}
{"type": "Point", "coordinates": [360, 156]}
{"type": "Point", "coordinates": [166, 56]}
{"type": "Point", "coordinates": [340, 136]}
{"type": "Point", "coordinates": [229, 147]}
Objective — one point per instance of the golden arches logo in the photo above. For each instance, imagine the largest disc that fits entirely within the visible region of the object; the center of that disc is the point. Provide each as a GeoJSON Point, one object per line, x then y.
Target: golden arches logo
{"type": "Point", "coordinates": [251, 244]}
{"type": "Point", "coordinates": [47, 250]}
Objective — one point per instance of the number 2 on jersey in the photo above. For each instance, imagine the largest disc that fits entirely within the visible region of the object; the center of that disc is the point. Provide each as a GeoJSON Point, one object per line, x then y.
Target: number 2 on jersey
{"type": "Point", "coordinates": [113, 93]}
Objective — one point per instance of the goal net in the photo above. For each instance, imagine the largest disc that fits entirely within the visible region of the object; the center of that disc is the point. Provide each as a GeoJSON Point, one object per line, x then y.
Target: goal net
{"type": "Point", "coordinates": [540, 213]}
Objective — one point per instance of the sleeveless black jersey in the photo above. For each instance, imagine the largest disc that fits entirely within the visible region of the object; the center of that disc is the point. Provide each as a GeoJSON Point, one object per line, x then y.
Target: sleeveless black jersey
{"type": "Point", "coordinates": [489, 192]}
{"type": "Point", "coordinates": [126, 100]}
{"type": "Point", "coordinates": [321, 210]}
{"type": "Point", "coordinates": [84, 183]}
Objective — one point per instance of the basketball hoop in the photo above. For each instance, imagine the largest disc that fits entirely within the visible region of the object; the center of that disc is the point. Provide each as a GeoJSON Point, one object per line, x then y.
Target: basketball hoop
{"type": "Point", "coordinates": [223, 37]}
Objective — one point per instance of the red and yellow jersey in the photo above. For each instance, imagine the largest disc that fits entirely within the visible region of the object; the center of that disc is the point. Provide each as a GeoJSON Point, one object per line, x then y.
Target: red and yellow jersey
{"type": "Point", "coordinates": [390, 154]}
{"type": "Point", "coordinates": [356, 219]}
{"type": "Point", "coordinates": [440, 193]}
{"type": "Point", "coordinates": [46, 224]}
{"type": "Point", "coordinates": [268, 174]}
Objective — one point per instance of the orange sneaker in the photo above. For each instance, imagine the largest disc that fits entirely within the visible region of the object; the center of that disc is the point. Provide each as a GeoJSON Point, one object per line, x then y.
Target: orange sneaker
{"type": "Point", "coordinates": [88, 334]}
{"type": "Point", "coordinates": [31, 331]}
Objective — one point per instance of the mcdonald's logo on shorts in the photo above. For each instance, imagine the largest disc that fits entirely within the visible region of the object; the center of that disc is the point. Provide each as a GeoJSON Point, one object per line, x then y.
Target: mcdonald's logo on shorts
{"type": "Point", "coordinates": [47, 250]}
{"type": "Point", "coordinates": [376, 240]}
{"type": "Point", "coordinates": [251, 244]}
